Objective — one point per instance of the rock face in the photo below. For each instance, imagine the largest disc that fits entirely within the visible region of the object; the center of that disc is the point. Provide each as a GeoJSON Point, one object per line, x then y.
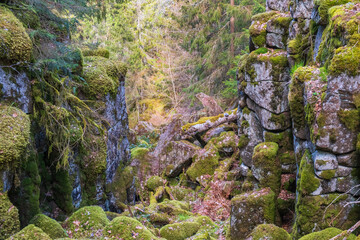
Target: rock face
{"type": "Point", "coordinates": [250, 209]}
{"type": "Point", "coordinates": [317, 104]}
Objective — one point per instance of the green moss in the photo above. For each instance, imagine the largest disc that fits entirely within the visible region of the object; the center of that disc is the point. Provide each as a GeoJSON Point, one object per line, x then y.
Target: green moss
{"type": "Point", "coordinates": [246, 111]}
{"type": "Point", "coordinates": [62, 189]}
{"type": "Point", "coordinates": [243, 141]}
{"type": "Point", "coordinates": [102, 75]}
{"type": "Point", "coordinates": [49, 226]}
{"type": "Point", "coordinates": [311, 215]}
{"type": "Point", "coordinates": [260, 199]}
{"type": "Point", "coordinates": [346, 60]}
{"type": "Point", "coordinates": [179, 231]}
{"type": "Point", "coordinates": [266, 162]}
{"type": "Point", "coordinates": [282, 22]}
{"type": "Point", "coordinates": [15, 44]}
{"type": "Point", "coordinates": [14, 135]}
{"type": "Point", "coordinates": [270, 232]}
{"type": "Point", "coordinates": [86, 221]}
{"type": "Point", "coordinates": [325, 5]}
{"type": "Point", "coordinates": [9, 220]}
{"type": "Point", "coordinates": [327, 174]}
{"type": "Point", "coordinates": [350, 118]}
{"type": "Point", "coordinates": [261, 50]}
{"type": "Point", "coordinates": [122, 181]}
{"type": "Point", "coordinates": [296, 93]}
{"type": "Point", "coordinates": [225, 140]}
{"type": "Point", "coordinates": [100, 52]}
{"type": "Point", "coordinates": [307, 182]}
{"type": "Point", "coordinates": [204, 162]}
{"type": "Point", "coordinates": [278, 119]}
{"type": "Point", "coordinates": [154, 182]}
{"type": "Point", "coordinates": [127, 228]}
{"type": "Point", "coordinates": [265, 16]}
{"type": "Point", "coordinates": [31, 232]}
{"type": "Point", "coordinates": [325, 234]}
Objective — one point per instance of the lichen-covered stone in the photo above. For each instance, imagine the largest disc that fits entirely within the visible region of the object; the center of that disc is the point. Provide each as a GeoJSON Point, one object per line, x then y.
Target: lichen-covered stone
{"type": "Point", "coordinates": [14, 135]}
{"type": "Point", "coordinates": [9, 217]}
{"type": "Point", "coordinates": [270, 232]}
{"type": "Point", "coordinates": [266, 166]}
{"type": "Point", "coordinates": [30, 232]}
{"type": "Point", "coordinates": [127, 228]}
{"type": "Point", "coordinates": [15, 43]}
{"type": "Point", "coordinates": [49, 226]}
{"type": "Point", "coordinates": [179, 231]}
{"type": "Point", "coordinates": [86, 221]}
{"type": "Point", "coordinates": [250, 209]}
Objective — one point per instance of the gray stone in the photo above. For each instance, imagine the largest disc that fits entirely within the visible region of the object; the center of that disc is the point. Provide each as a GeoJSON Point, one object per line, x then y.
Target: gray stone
{"type": "Point", "coordinates": [243, 169]}
{"type": "Point", "coordinates": [325, 161]}
{"type": "Point", "coordinates": [281, 5]}
{"type": "Point", "coordinates": [273, 96]}
{"type": "Point", "coordinates": [348, 184]}
{"type": "Point", "coordinates": [254, 132]}
{"type": "Point", "coordinates": [288, 168]}
{"type": "Point", "coordinates": [302, 9]}
{"type": "Point", "coordinates": [270, 121]}
{"type": "Point", "coordinates": [274, 40]}
{"type": "Point", "coordinates": [349, 160]}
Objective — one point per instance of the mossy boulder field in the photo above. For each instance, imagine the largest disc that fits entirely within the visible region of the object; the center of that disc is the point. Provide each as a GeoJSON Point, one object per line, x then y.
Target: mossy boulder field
{"type": "Point", "coordinates": [180, 120]}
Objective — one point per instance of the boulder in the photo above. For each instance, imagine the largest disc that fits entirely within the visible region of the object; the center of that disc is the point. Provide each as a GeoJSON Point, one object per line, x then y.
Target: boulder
{"type": "Point", "coordinates": [179, 231]}
{"type": "Point", "coordinates": [266, 166]}
{"type": "Point", "coordinates": [49, 226]}
{"type": "Point", "coordinates": [326, 234]}
{"type": "Point", "coordinates": [302, 9]}
{"type": "Point", "coordinates": [9, 217]}
{"type": "Point", "coordinates": [250, 209]}
{"type": "Point", "coordinates": [269, 232]}
{"type": "Point", "coordinates": [30, 232]}
{"type": "Point", "coordinates": [281, 6]}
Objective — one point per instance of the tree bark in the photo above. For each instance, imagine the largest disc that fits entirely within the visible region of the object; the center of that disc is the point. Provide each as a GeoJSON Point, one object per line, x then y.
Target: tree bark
{"type": "Point", "coordinates": [232, 30]}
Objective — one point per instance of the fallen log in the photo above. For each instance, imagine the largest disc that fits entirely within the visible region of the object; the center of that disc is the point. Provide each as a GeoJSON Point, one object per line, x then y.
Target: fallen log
{"type": "Point", "coordinates": [205, 123]}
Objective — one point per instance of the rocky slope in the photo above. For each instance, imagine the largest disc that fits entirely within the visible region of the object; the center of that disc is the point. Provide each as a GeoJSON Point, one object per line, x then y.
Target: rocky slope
{"type": "Point", "coordinates": [283, 165]}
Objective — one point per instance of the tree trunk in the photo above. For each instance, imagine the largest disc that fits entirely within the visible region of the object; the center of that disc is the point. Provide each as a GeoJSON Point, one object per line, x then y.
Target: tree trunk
{"type": "Point", "coordinates": [232, 30]}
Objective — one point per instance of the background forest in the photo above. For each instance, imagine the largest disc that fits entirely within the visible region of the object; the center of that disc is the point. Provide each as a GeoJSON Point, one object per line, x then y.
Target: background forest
{"type": "Point", "coordinates": [173, 49]}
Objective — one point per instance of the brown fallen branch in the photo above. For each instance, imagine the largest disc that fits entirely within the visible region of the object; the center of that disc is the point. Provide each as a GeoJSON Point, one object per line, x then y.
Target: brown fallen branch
{"type": "Point", "coordinates": [205, 123]}
{"type": "Point", "coordinates": [345, 234]}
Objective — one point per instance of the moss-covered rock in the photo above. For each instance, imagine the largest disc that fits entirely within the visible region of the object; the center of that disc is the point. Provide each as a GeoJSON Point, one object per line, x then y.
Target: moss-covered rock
{"type": "Point", "coordinates": [100, 52]}
{"type": "Point", "coordinates": [346, 60]}
{"type": "Point", "coordinates": [307, 182]}
{"type": "Point", "coordinates": [15, 43]}
{"type": "Point", "coordinates": [311, 214]}
{"type": "Point", "coordinates": [127, 228]}
{"type": "Point", "coordinates": [49, 226]}
{"type": "Point", "coordinates": [122, 181]}
{"type": "Point", "coordinates": [179, 231]}
{"type": "Point", "coordinates": [31, 232]}
{"type": "Point", "coordinates": [9, 217]}
{"type": "Point", "coordinates": [250, 209]}
{"type": "Point", "coordinates": [226, 142]}
{"type": "Point", "coordinates": [325, 234]}
{"type": "Point", "coordinates": [205, 162]}
{"type": "Point", "coordinates": [14, 135]}
{"type": "Point", "coordinates": [266, 165]}
{"type": "Point", "coordinates": [154, 182]}
{"type": "Point", "coordinates": [102, 75]}
{"type": "Point", "coordinates": [270, 232]}
{"type": "Point", "coordinates": [85, 221]}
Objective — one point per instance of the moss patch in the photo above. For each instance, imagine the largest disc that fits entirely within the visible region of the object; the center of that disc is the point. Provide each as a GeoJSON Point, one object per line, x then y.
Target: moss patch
{"type": "Point", "coordinates": [154, 182]}
{"type": "Point", "coordinates": [15, 43]}
{"type": "Point", "coordinates": [266, 162]}
{"type": "Point", "coordinates": [9, 220]}
{"type": "Point", "coordinates": [205, 162]}
{"type": "Point", "coordinates": [127, 228]}
{"type": "Point", "coordinates": [307, 182]}
{"type": "Point", "coordinates": [325, 234]}
{"type": "Point", "coordinates": [179, 231]}
{"type": "Point", "coordinates": [270, 232]}
{"type": "Point", "coordinates": [49, 226]}
{"type": "Point", "coordinates": [102, 75]}
{"type": "Point", "coordinates": [31, 232]}
{"type": "Point", "coordinates": [14, 135]}
{"type": "Point", "coordinates": [86, 221]}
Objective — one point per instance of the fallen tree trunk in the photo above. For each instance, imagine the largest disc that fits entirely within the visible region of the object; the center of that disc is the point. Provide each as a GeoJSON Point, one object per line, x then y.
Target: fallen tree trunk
{"type": "Point", "coordinates": [205, 123]}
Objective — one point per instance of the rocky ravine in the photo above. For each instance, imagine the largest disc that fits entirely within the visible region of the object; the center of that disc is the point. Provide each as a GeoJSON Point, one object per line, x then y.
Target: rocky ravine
{"type": "Point", "coordinates": [283, 165]}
